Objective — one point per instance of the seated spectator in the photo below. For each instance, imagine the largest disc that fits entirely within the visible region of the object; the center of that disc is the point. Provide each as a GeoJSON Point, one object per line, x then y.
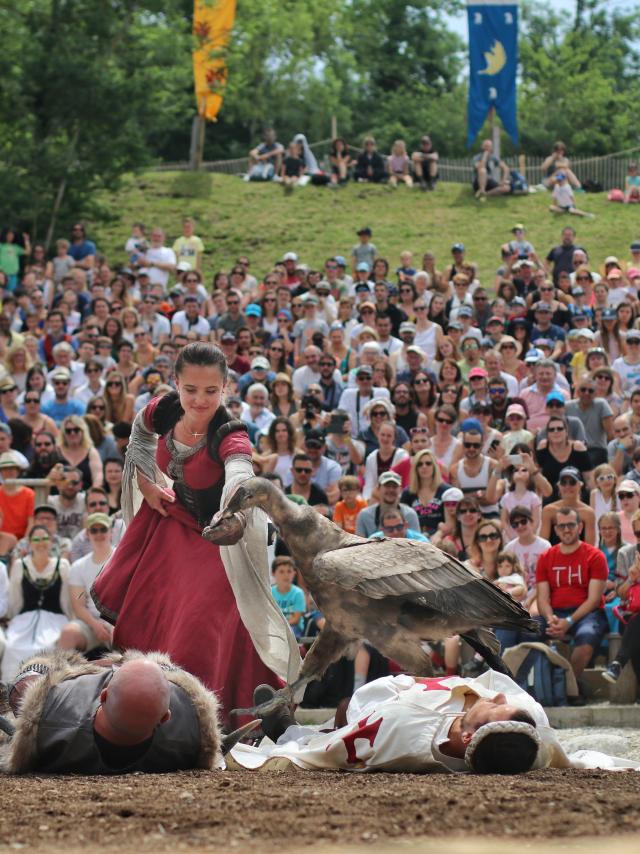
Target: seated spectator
{"type": "Point", "coordinates": [520, 493]}
{"type": "Point", "coordinates": [302, 484]}
{"type": "Point", "coordinates": [265, 159]}
{"type": "Point", "coordinates": [425, 164]}
{"type": "Point", "coordinates": [570, 582]}
{"type": "Point", "coordinates": [476, 474]}
{"type": "Point", "coordinates": [62, 404]}
{"type": "Point", "coordinates": [459, 541]}
{"type": "Point", "coordinates": [76, 449]}
{"type": "Point", "coordinates": [383, 458]}
{"type": "Point", "coordinates": [88, 630]}
{"type": "Point", "coordinates": [399, 163]}
{"type": "Point", "coordinates": [569, 485]}
{"type": "Point", "coordinates": [289, 597]}
{"type": "Point", "coordinates": [47, 516]}
{"type": "Point", "coordinates": [564, 202]}
{"type": "Point", "coordinates": [346, 511]}
{"type": "Point", "coordinates": [70, 501]}
{"type": "Point", "coordinates": [527, 546]}
{"type": "Point", "coordinates": [603, 496]}
{"type": "Point", "coordinates": [16, 502]}
{"type": "Point", "coordinates": [558, 161]}
{"type": "Point", "coordinates": [389, 489]}
{"type": "Point", "coordinates": [491, 173]}
{"type": "Point", "coordinates": [370, 165]}
{"type": "Point", "coordinates": [628, 493]}
{"type": "Point", "coordinates": [394, 526]}
{"type": "Point", "coordinates": [39, 605]}
{"type": "Point", "coordinates": [341, 162]}
{"type": "Point", "coordinates": [326, 472]}
{"type": "Point", "coordinates": [96, 502]}
{"type": "Point", "coordinates": [292, 167]}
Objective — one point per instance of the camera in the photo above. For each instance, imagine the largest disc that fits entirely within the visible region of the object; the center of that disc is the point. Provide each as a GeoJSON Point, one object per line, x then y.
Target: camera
{"type": "Point", "coordinates": [311, 406]}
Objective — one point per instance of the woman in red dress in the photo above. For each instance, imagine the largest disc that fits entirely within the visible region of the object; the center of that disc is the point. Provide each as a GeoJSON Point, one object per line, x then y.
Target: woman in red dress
{"type": "Point", "coordinates": [166, 588]}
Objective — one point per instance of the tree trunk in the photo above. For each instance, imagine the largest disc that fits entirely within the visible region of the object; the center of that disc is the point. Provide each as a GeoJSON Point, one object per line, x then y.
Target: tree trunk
{"type": "Point", "coordinates": [62, 187]}
{"type": "Point", "coordinates": [197, 143]}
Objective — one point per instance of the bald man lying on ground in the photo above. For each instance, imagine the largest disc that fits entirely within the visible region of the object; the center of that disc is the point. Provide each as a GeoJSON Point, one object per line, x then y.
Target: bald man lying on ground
{"type": "Point", "coordinates": [123, 713]}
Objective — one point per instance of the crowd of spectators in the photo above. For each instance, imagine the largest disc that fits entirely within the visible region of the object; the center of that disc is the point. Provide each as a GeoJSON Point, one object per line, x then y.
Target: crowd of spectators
{"type": "Point", "coordinates": [398, 397]}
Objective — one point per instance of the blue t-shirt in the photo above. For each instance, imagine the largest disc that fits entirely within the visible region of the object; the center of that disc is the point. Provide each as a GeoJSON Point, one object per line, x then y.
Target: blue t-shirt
{"type": "Point", "coordinates": [59, 411]}
{"type": "Point", "coordinates": [80, 251]}
{"type": "Point", "coordinates": [291, 602]}
{"type": "Point", "coordinates": [553, 333]}
{"type": "Point", "coordinates": [411, 535]}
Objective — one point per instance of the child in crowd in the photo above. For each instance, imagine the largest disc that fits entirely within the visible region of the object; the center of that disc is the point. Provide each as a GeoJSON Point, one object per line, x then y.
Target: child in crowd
{"type": "Point", "coordinates": [292, 168]}
{"type": "Point", "coordinates": [527, 547]}
{"type": "Point", "coordinates": [289, 597]}
{"type": "Point", "coordinates": [406, 270]}
{"type": "Point", "coordinates": [511, 576]}
{"type": "Point", "coordinates": [634, 471]}
{"type": "Point", "coordinates": [632, 184]}
{"type": "Point", "coordinates": [137, 244]}
{"type": "Point", "coordinates": [563, 198]}
{"type": "Point", "coordinates": [603, 497]}
{"type": "Point", "coordinates": [63, 263]}
{"type": "Point", "coordinates": [365, 251]}
{"type": "Point", "coordinates": [520, 493]}
{"type": "Point", "coordinates": [399, 164]}
{"type": "Point", "coordinates": [350, 504]}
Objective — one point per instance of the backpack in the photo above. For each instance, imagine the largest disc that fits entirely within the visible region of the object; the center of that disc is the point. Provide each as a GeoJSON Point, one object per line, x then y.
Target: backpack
{"type": "Point", "coordinates": [549, 686]}
{"type": "Point", "coordinates": [519, 184]}
{"type": "Point", "coordinates": [590, 185]}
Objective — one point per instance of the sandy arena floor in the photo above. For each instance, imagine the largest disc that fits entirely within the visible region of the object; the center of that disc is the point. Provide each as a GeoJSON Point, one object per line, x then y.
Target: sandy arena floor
{"type": "Point", "coordinates": [278, 810]}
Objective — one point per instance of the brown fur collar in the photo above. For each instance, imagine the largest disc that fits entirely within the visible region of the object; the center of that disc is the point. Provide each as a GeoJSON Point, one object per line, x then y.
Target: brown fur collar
{"type": "Point", "coordinates": [19, 755]}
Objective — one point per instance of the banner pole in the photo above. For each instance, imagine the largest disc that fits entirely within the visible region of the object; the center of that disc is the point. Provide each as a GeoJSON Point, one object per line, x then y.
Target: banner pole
{"type": "Point", "coordinates": [495, 131]}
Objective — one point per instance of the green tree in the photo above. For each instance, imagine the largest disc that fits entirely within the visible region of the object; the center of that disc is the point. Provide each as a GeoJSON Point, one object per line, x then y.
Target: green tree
{"type": "Point", "coordinates": [90, 87]}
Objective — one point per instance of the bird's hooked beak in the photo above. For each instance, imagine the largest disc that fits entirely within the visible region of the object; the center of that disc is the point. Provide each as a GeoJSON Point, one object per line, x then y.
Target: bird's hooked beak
{"type": "Point", "coordinates": [237, 502]}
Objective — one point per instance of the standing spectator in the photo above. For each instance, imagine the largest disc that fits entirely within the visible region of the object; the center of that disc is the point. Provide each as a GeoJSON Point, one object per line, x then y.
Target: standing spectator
{"type": "Point", "coordinates": [370, 165]}
{"type": "Point", "coordinates": [491, 173]}
{"type": "Point", "coordinates": [16, 502]}
{"type": "Point", "coordinates": [389, 490]}
{"type": "Point", "coordinates": [302, 485]}
{"type": "Point", "coordinates": [82, 251]}
{"type": "Point", "coordinates": [189, 248]}
{"type": "Point", "coordinates": [88, 631]}
{"type": "Point", "coordinates": [159, 260]}
{"type": "Point", "coordinates": [11, 254]}
{"type": "Point", "coordinates": [597, 419]}
{"type": "Point", "coordinates": [560, 258]}
{"type": "Point", "coordinates": [570, 582]}
{"type": "Point", "coordinates": [627, 367]}
{"type": "Point", "coordinates": [365, 251]}
{"type": "Point", "coordinates": [425, 164]}
{"type": "Point", "coordinates": [563, 199]}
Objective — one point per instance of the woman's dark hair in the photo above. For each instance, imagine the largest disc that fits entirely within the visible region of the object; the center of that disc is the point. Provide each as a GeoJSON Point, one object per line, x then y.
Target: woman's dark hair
{"type": "Point", "coordinates": [22, 434]}
{"type": "Point", "coordinates": [414, 293]}
{"type": "Point", "coordinates": [345, 146]}
{"type": "Point", "coordinates": [452, 363]}
{"type": "Point", "coordinates": [203, 355]}
{"type": "Point", "coordinates": [381, 261]}
{"type": "Point", "coordinates": [456, 404]}
{"type": "Point", "coordinates": [35, 369]}
{"type": "Point", "coordinates": [39, 528]}
{"type": "Point", "coordinates": [432, 390]}
{"type": "Point", "coordinates": [96, 430]}
{"type": "Point", "coordinates": [117, 336]}
{"type": "Point", "coordinates": [271, 435]}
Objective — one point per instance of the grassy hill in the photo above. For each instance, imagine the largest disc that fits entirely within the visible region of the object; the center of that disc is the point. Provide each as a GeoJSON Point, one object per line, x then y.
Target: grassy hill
{"type": "Point", "coordinates": [259, 219]}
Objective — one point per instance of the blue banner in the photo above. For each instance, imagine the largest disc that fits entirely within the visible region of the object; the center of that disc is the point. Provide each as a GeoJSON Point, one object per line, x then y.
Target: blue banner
{"type": "Point", "coordinates": [493, 62]}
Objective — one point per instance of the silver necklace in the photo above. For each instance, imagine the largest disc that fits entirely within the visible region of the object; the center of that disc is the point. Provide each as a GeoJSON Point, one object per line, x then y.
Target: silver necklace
{"type": "Point", "coordinates": [191, 432]}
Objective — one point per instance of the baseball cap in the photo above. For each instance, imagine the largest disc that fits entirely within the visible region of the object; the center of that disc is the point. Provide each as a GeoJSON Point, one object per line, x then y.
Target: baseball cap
{"type": "Point", "coordinates": [495, 319]}
{"type": "Point", "coordinates": [363, 267]}
{"type": "Point", "coordinates": [233, 398]}
{"type": "Point", "coordinates": [611, 259]}
{"type": "Point", "coordinates": [364, 370]}
{"type": "Point", "coordinates": [61, 374]}
{"type": "Point", "coordinates": [577, 292]}
{"type": "Point", "coordinates": [570, 471]}
{"type": "Point", "coordinates": [518, 511]}
{"type": "Point", "coordinates": [284, 312]}
{"type": "Point", "coordinates": [633, 333]}
{"type": "Point", "coordinates": [544, 306]}
{"type": "Point", "coordinates": [626, 486]}
{"type": "Point", "coordinates": [407, 326]}
{"type": "Point", "coordinates": [314, 437]}
{"type": "Point", "coordinates": [534, 355]}
{"type": "Point", "coordinates": [633, 272]}
{"type": "Point", "coordinates": [518, 227]}
{"type": "Point", "coordinates": [365, 230]}
{"type": "Point", "coordinates": [616, 273]}
{"type": "Point", "coordinates": [457, 247]}
{"type": "Point", "coordinates": [10, 458]}
{"type": "Point", "coordinates": [586, 333]}
{"type": "Point", "coordinates": [310, 299]}
{"type": "Point", "coordinates": [323, 286]}
{"type": "Point", "coordinates": [143, 272]}
{"type": "Point", "coordinates": [253, 310]}
{"type": "Point", "coordinates": [390, 477]}
{"type": "Point", "coordinates": [98, 519]}
{"type": "Point", "coordinates": [452, 494]}
{"type": "Point", "coordinates": [515, 409]}
{"type": "Point", "coordinates": [340, 261]}
{"type": "Point", "coordinates": [545, 342]}
{"type": "Point", "coordinates": [635, 246]}
{"type": "Point", "coordinates": [478, 372]}
{"type": "Point", "coordinates": [260, 364]}
{"type": "Point", "coordinates": [580, 313]}
{"type": "Point", "coordinates": [183, 267]}
{"type": "Point", "coordinates": [289, 256]}
{"type": "Point", "coordinates": [471, 425]}
{"type": "Point", "coordinates": [465, 311]}
{"type": "Point", "coordinates": [45, 508]}
{"type": "Point", "coordinates": [572, 334]}
{"type": "Point", "coordinates": [363, 287]}
{"type": "Point", "coordinates": [555, 396]}
{"type": "Point", "coordinates": [228, 338]}
{"type": "Point", "coordinates": [455, 324]}
{"type": "Point", "coordinates": [415, 349]}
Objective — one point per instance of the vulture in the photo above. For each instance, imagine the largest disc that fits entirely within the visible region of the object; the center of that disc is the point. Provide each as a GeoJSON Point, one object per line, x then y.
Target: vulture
{"type": "Point", "coordinates": [396, 593]}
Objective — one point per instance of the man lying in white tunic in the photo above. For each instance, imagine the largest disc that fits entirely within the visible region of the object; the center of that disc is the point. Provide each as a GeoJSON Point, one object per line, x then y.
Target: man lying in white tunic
{"type": "Point", "coordinates": [444, 724]}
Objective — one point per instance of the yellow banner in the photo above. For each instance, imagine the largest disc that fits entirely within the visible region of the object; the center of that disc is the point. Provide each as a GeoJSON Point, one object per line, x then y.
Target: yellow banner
{"type": "Point", "coordinates": [212, 24]}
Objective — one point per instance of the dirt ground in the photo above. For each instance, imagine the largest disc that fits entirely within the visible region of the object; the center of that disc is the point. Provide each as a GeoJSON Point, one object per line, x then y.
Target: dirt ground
{"type": "Point", "coordinates": [269, 811]}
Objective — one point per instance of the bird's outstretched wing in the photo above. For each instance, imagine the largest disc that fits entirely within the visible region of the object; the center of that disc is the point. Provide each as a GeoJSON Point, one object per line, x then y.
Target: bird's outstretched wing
{"type": "Point", "coordinates": [420, 573]}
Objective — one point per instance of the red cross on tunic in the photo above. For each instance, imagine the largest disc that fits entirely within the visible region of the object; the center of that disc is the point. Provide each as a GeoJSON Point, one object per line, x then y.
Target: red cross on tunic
{"type": "Point", "coordinates": [366, 731]}
{"type": "Point", "coordinates": [434, 683]}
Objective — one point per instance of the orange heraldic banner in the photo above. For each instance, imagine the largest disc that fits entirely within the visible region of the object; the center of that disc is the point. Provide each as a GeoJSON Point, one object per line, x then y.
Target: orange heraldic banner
{"type": "Point", "coordinates": [212, 25]}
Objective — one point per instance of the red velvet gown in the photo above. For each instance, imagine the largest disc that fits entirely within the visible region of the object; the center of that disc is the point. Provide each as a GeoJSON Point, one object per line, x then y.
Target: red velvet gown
{"type": "Point", "coordinates": [167, 590]}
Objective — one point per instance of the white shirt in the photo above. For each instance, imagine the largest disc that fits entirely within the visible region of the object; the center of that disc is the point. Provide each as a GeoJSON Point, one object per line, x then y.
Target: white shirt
{"type": "Point", "coordinates": [629, 374]}
{"type": "Point", "coordinates": [159, 255]}
{"type": "Point", "coordinates": [83, 573]}
{"type": "Point", "coordinates": [262, 420]}
{"type": "Point", "coordinates": [201, 326]}
{"type": "Point", "coordinates": [528, 556]}
{"type": "Point", "coordinates": [160, 326]}
{"type": "Point", "coordinates": [85, 392]}
{"type": "Point", "coordinates": [304, 376]}
{"type": "Point", "coordinates": [354, 403]}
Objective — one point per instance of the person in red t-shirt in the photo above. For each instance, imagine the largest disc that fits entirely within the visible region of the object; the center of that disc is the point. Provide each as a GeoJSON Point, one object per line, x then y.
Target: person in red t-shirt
{"type": "Point", "coordinates": [570, 580]}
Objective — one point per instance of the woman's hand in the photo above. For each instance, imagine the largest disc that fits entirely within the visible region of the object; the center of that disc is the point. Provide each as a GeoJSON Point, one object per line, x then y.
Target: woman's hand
{"type": "Point", "coordinates": [157, 497]}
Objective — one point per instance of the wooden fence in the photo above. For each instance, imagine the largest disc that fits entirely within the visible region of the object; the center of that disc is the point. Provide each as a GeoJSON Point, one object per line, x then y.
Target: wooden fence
{"type": "Point", "coordinates": [609, 171]}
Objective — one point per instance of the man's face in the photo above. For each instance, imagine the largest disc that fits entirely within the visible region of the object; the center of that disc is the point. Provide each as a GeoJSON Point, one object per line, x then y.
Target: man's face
{"type": "Point", "coordinates": [85, 351]}
{"type": "Point", "coordinates": [312, 358]}
{"type": "Point", "coordinates": [302, 470]}
{"type": "Point", "coordinates": [5, 443]}
{"type": "Point", "coordinates": [327, 368]}
{"type": "Point", "coordinates": [394, 527]}
{"type": "Point", "coordinates": [48, 520]}
{"type": "Point", "coordinates": [63, 357]}
{"type": "Point", "coordinates": [191, 309]}
{"type": "Point", "coordinates": [257, 399]}
{"type": "Point", "coordinates": [55, 324]}
{"type": "Point", "coordinates": [77, 233]}
{"type": "Point", "coordinates": [567, 528]}
{"type": "Point", "coordinates": [97, 503]}
{"type": "Point", "coordinates": [522, 526]}
{"type": "Point", "coordinates": [44, 446]}
{"type": "Point", "coordinates": [545, 377]}
{"type": "Point", "coordinates": [567, 236]}
{"type": "Point", "coordinates": [586, 392]}
{"type": "Point", "coordinates": [390, 492]}
{"type": "Point", "coordinates": [486, 711]}
{"type": "Point", "coordinates": [497, 393]}
{"type": "Point", "coordinates": [157, 237]}
{"type": "Point", "coordinates": [61, 388]}
{"type": "Point", "coordinates": [383, 325]}
{"type": "Point", "coordinates": [365, 384]}
{"type": "Point", "coordinates": [233, 304]}
{"type": "Point", "coordinates": [98, 534]}
{"type": "Point", "coordinates": [381, 292]}
{"type": "Point", "coordinates": [472, 444]}
{"type": "Point", "coordinates": [71, 486]}
{"type": "Point", "coordinates": [543, 319]}
{"type": "Point", "coordinates": [313, 449]}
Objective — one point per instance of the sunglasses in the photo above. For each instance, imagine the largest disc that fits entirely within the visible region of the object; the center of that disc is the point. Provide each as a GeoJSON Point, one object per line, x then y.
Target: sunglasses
{"type": "Point", "coordinates": [422, 382]}
{"type": "Point", "coordinates": [508, 347]}
{"type": "Point", "coordinates": [425, 463]}
{"type": "Point", "coordinates": [483, 538]}
{"type": "Point", "coordinates": [625, 495]}
{"type": "Point", "coordinates": [102, 503]}
{"type": "Point", "coordinates": [94, 370]}
{"type": "Point", "coordinates": [74, 482]}
{"type": "Point", "coordinates": [394, 528]}
{"type": "Point", "coordinates": [40, 539]}
{"type": "Point", "coordinates": [586, 390]}
{"type": "Point", "coordinates": [566, 526]}
{"type": "Point", "coordinates": [555, 429]}
{"type": "Point", "coordinates": [69, 431]}
{"type": "Point", "coordinates": [418, 431]}
{"type": "Point", "coordinates": [420, 307]}
{"type": "Point", "coordinates": [32, 400]}
{"type": "Point", "coordinates": [269, 299]}
{"type": "Point", "coordinates": [139, 334]}
{"type": "Point", "coordinates": [568, 481]}
{"type": "Point", "coordinates": [444, 420]}
{"type": "Point", "coordinates": [555, 404]}
{"type": "Point", "coordinates": [299, 470]}
{"type": "Point", "coordinates": [41, 445]}
{"type": "Point", "coordinates": [497, 391]}
{"type": "Point", "coordinates": [472, 444]}
{"type": "Point", "coordinates": [479, 299]}
{"type": "Point", "coordinates": [603, 477]}
{"type": "Point", "coordinates": [97, 529]}
{"type": "Point", "coordinates": [97, 406]}
{"type": "Point", "coordinates": [379, 413]}
{"type": "Point", "coordinates": [463, 510]}
{"type": "Point", "coordinates": [61, 382]}
{"type": "Point", "coordinates": [450, 504]}
{"type": "Point", "coordinates": [519, 523]}
{"type": "Point", "coordinates": [114, 385]}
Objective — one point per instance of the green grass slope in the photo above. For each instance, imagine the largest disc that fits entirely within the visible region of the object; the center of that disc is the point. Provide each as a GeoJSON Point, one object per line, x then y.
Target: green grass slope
{"type": "Point", "coordinates": [235, 217]}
